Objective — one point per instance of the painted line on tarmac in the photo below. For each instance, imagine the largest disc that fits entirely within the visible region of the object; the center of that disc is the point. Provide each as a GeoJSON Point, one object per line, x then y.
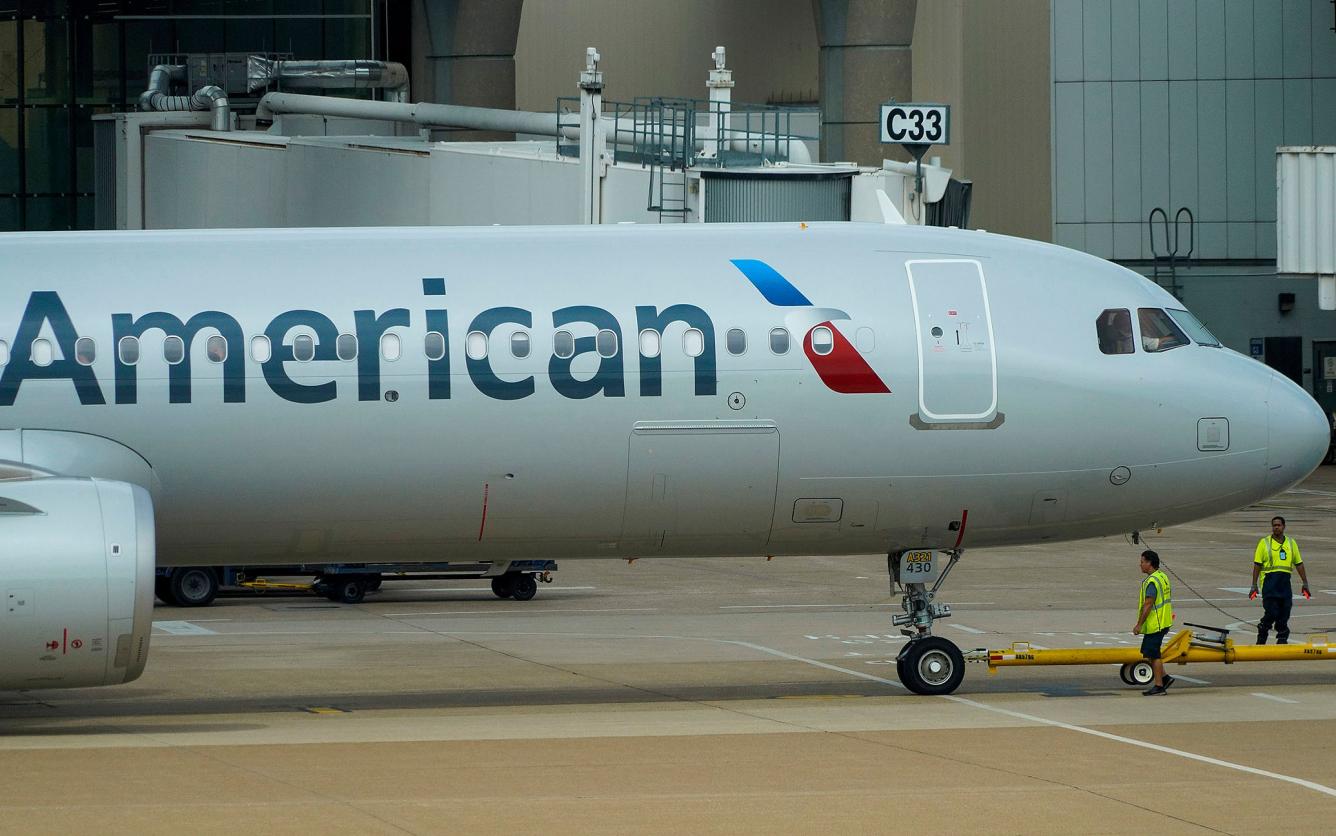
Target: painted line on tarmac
{"type": "Point", "coordinates": [183, 628]}
{"type": "Point", "coordinates": [1191, 679]}
{"type": "Point", "coordinates": [966, 629]}
{"type": "Point", "coordinates": [1117, 738]}
{"type": "Point", "coordinates": [513, 612]}
{"type": "Point", "coordinates": [1275, 698]}
{"type": "Point", "coordinates": [486, 589]}
{"type": "Point", "coordinates": [785, 606]}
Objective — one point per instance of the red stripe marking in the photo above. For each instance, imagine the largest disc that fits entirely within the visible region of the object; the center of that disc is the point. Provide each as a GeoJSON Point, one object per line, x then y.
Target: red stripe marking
{"type": "Point", "coordinates": [843, 370]}
{"type": "Point", "coordinates": [964, 517]}
{"type": "Point", "coordinates": [483, 524]}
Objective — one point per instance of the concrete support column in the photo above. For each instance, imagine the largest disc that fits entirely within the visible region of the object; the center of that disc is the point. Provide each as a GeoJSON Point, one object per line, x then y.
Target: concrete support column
{"type": "Point", "coordinates": [865, 60]}
{"type": "Point", "coordinates": [464, 54]}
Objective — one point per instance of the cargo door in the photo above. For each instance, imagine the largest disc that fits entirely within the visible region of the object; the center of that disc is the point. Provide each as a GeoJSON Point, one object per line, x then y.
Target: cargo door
{"type": "Point", "coordinates": [701, 487]}
{"type": "Point", "coordinates": [956, 354]}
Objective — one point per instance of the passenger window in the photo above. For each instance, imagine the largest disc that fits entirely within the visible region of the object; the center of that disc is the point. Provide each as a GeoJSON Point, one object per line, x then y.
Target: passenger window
{"type": "Point", "coordinates": [823, 341]}
{"type": "Point", "coordinates": [128, 350]}
{"type": "Point", "coordinates": [173, 350]}
{"type": "Point", "coordinates": [345, 347]}
{"type": "Point", "coordinates": [42, 353]}
{"type": "Point", "coordinates": [434, 345]}
{"type": "Point", "coordinates": [475, 345]}
{"type": "Point", "coordinates": [303, 348]}
{"type": "Point", "coordinates": [85, 351]}
{"type": "Point", "coordinates": [650, 343]}
{"type": "Point", "coordinates": [736, 340]}
{"type": "Point", "coordinates": [1158, 331]}
{"type": "Point", "coordinates": [519, 344]}
{"type": "Point", "coordinates": [216, 349]}
{"type": "Point", "coordinates": [1114, 328]}
{"type": "Point", "coordinates": [865, 339]}
{"type": "Point", "coordinates": [4, 352]}
{"type": "Point", "coordinates": [391, 348]}
{"type": "Point", "coordinates": [563, 344]}
{"type": "Point", "coordinates": [693, 342]}
{"type": "Point", "coordinates": [779, 340]}
{"type": "Point", "coordinates": [261, 351]}
{"type": "Point", "coordinates": [606, 342]}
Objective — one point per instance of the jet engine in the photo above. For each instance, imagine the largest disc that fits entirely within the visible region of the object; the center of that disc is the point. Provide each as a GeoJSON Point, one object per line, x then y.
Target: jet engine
{"type": "Point", "coordinates": [76, 582]}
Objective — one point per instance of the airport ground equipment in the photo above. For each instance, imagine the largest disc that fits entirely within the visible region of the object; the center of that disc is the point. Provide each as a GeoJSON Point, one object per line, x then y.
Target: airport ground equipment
{"type": "Point", "coordinates": [197, 586]}
{"type": "Point", "coordinates": [1197, 643]}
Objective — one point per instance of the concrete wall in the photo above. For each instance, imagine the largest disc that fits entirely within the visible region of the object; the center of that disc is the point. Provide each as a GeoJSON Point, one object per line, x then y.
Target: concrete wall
{"type": "Point", "coordinates": [663, 48]}
{"type": "Point", "coordinates": [990, 62]}
{"type": "Point", "coordinates": [1175, 103]}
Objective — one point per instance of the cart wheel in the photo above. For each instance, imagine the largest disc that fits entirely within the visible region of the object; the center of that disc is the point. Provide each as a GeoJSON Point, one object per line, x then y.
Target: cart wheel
{"type": "Point", "coordinates": [525, 587]}
{"type": "Point", "coordinates": [193, 586]}
{"type": "Point", "coordinates": [503, 586]}
{"type": "Point", "coordinates": [347, 590]}
{"type": "Point", "coordinates": [1137, 673]}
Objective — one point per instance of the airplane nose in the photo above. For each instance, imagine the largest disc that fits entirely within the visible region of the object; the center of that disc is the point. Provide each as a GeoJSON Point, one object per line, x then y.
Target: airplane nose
{"type": "Point", "coordinates": [1299, 432]}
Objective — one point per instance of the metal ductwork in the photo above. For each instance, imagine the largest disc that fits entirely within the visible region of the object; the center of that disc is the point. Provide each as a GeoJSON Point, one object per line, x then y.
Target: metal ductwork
{"type": "Point", "coordinates": [211, 98]}
{"type": "Point", "coordinates": [341, 75]}
{"type": "Point", "coordinates": [620, 131]}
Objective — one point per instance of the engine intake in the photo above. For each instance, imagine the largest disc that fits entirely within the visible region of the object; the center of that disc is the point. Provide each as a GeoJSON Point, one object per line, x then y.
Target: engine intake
{"type": "Point", "coordinates": [76, 576]}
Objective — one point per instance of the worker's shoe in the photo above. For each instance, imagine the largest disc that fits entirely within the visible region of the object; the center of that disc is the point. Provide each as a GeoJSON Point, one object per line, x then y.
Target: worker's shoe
{"type": "Point", "coordinates": [1155, 691]}
{"type": "Point", "coordinates": [1168, 680]}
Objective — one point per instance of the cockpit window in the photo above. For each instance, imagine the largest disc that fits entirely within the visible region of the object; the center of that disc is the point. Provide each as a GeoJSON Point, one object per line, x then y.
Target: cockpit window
{"type": "Point", "coordinates": [1114, 327]}
{"type": "Point", "coordinates": [1158, 331]}
{"type": "Point", "coordinates": [1195, 329]}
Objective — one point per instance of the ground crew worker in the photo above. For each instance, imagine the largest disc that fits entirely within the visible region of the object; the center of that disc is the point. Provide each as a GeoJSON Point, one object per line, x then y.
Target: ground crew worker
{"type": "Point", "coordinates": [1155, 615]}
{"type": "Point", "coordinates": [1276, 557]}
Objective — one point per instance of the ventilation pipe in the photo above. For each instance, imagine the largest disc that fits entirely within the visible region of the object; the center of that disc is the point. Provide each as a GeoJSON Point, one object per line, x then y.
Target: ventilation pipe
{"type": "Point", "coordinates": [210, 97]}
{"type": "Point", "coordinates": [342, 75]}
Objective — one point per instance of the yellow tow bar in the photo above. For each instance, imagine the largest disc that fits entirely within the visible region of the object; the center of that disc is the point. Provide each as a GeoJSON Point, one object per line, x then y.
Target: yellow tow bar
{"type": "Point", "coordinates": [1212, 644]}
{"type": "Point", "coordinates": [265, 583]}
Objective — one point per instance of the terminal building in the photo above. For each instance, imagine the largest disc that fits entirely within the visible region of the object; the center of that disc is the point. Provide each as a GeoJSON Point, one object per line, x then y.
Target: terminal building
{"type": "Point", "coordinates": [1146, 132]}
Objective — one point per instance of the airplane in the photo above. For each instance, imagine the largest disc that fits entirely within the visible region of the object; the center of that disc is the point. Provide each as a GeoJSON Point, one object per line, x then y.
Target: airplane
{"type": "Point", "coordinates": [201, 398]}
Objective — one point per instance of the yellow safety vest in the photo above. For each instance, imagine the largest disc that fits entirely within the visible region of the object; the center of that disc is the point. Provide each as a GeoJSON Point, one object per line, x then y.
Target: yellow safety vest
{"type": "Point", "coordinates": [1161, 615]}
{"type": "Point", "coordinates": [1277, 557]}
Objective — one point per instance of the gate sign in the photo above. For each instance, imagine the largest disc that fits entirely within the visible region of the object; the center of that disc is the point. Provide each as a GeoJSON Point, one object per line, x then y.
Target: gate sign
{"type": "Point", "coordinates": [916, 124]}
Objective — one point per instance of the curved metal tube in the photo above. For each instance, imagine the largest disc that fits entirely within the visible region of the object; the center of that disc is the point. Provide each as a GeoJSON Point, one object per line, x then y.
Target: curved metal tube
{"type": "Point", "coordinates": [388, 75]}
{"type": "Point", "coordinates": [211, 97]}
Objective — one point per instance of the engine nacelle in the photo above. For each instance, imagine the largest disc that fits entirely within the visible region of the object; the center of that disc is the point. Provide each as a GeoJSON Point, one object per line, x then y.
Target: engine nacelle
{"type": "Point", "coordinates": [76, 582]}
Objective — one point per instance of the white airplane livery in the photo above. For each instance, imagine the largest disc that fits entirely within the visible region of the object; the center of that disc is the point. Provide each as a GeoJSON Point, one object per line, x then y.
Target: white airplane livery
{"type": "Point", "coordinates": [203, 398]}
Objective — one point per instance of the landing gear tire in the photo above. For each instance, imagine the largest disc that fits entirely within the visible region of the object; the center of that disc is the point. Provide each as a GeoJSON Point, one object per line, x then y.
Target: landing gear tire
{"type": "Point", "coordinates": [525, 588]}
{"type": "Point", "coordinates": [503, 586]}
{"type": "Point", "coordinates": [193, 586]}
{"type": "Point", "coordinates": [1140, 674]}
{"type": "Point", "coordinates": [931, 665]}
{"type": "Point", "coordinates": [347, 590]}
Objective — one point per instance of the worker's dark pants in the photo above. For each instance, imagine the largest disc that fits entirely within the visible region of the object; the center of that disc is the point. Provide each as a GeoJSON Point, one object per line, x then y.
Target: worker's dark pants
{"type": "Point", "coordinates": [1277, 601]}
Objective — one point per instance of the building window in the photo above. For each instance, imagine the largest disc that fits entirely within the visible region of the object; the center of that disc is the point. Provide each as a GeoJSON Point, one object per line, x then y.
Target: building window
{"type": "Point", "coordinates": [434, 345]}
{"type": "Point", "coordinates": [779, 340]}
{"type": "Point", "coordinates": [85, 351]}
{"type": "Point", "coordinates": [736, 341]}
{"type": "Point", "coordinates": [128, 350]}
{"type": "Point", "coordinates": [606, 342]}
{"type": "Point", "coordinates": [563, 344]}
{"type": "Point", "coordinates": [261, 351]}
{"type": "Point", "coordinates": [303, 348]}
{"type": "Point", "coordinates": [215, 348]}
{"type": "Point", "coordinates": [345, 347]}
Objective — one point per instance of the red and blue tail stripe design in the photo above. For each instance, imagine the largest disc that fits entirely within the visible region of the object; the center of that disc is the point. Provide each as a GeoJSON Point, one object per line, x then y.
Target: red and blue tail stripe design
{"type": "Point", "coordinates": [842, 370]}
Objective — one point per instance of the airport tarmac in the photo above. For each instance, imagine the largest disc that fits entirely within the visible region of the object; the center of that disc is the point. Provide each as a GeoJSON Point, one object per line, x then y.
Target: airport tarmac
{"type": "Point", "coordinates": [705, 696]}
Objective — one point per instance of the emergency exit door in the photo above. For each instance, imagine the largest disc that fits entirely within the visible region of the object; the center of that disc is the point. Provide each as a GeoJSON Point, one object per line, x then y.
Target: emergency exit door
{"type": "Point", "coordinates": [956, 354]}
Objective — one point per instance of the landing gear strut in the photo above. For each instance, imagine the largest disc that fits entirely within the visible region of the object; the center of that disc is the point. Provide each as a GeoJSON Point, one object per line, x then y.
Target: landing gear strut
{"type": "Point", "coordinates": [927, 664]}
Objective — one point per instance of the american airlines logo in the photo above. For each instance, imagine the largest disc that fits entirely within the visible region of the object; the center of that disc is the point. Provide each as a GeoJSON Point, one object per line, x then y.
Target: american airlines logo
{"type": "Point", "coordinates": [836, 361]}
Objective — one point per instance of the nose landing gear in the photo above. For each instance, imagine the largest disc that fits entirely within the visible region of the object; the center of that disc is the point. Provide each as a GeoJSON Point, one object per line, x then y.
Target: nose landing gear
{"type": "Point", "coordinates": [927, 664]}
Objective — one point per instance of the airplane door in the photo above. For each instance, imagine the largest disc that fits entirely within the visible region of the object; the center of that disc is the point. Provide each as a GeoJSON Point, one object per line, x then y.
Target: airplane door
{"type": "Point", "coordinates": [706, 486]}
{"type": "Point", "coordinates": [956, 354]}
